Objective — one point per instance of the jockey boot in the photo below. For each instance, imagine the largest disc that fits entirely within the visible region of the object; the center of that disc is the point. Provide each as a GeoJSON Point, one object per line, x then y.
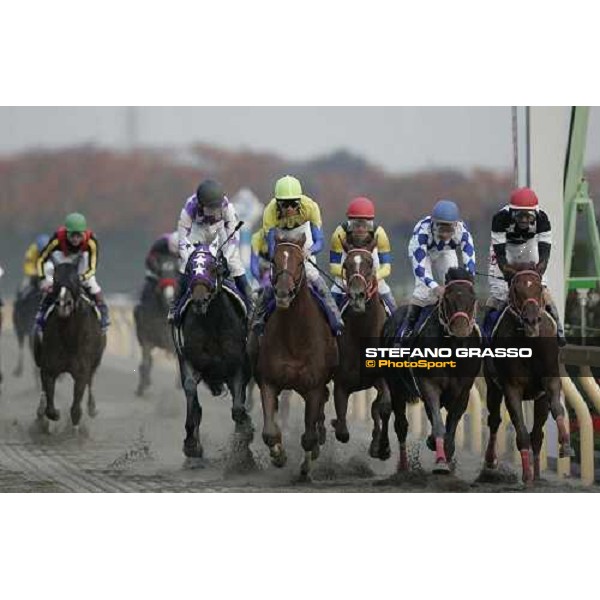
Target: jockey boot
{"type": "Point", "coordinates": [260, 311]}
{"type": "Point", "coordinates": [389, 301]}
{"type": "Point", "coordinates": [560, 332]}
{"type": "Point", "coordinates": [180, 291]}
{"type": "Point", "coordinates": [241, 283]}
{"type": "Point", "coordinates": [40, 317]}
{"type": "Point", "coordinates": [332, 307]}
{"type": "Point", "coordinates": [339, 299]}
{"type": "Point", "coordinates": [103, 309]}
{"type": "Point", "coordinates": [412, 316]}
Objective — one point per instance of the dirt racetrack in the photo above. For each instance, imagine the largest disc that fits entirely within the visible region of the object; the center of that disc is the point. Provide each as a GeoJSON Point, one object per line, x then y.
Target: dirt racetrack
{"type": "Point", "coordinates": [134, 445]}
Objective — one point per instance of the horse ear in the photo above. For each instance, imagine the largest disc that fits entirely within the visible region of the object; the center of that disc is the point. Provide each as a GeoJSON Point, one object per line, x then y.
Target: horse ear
{"type": "Point", "coordinates": [278, 237]}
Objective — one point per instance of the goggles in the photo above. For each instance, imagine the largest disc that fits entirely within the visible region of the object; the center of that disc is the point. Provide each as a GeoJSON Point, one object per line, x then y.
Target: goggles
{"type": "Point", "coordinates": [444, 227]}
{"type": "Point", "coordinates": [290, 203]}
{"type": "Point", "coordinates": [213, 215]}
{"type": "Point", "coordinates": [524, 215]}
{"type": "Point", "coordinates": [360, 224]}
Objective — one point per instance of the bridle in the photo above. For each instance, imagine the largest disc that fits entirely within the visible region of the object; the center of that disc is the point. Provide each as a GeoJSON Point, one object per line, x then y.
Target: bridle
{"type": "Point", "coordinates": [445, 320]}
{"type": "Point", "coordinates": [512, 300]}
{"type": "Point", "coordinates": [370, 286]}
{"type": "Point", "coordinates": [297, 282]}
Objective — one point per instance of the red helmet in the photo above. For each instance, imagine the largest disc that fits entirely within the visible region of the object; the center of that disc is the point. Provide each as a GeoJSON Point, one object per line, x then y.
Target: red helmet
{"type": "Point", "coordinates": [523, 199]}
{"type": "Point", "coordinates": [361, 208]}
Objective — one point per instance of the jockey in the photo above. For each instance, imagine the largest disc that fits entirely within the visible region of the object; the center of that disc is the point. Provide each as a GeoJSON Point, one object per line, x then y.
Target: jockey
{"type": "Point", "coordinates": [433, 250]}
{"type": "Point", "coordinates": [260, 265]}
{"type": "Point", "coordinates": [359, 230]}
{"type": "Point", "coordinates": [165, 248]}
{"type": "Point", "coordinates": [30, 274]}
{"type": "Point", "coordinates": [208, 216]}
{"type": "Point", "coordinates": [73, 243]}
{"type": "Point", "coordinates": [521, 233]}
{"type": "Point", "coordinates": [291, 210]}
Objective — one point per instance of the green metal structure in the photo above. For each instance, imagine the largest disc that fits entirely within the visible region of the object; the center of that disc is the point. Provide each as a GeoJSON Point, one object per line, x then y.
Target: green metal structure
{"type": "Point", "coordinates": [578, 202]}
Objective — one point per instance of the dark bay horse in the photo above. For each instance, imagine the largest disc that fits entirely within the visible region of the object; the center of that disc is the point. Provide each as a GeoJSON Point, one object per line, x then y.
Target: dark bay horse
{"type": "Point", "coordinates": [72, 343]}
{"type": "Point", "coordinates": [150, 316]}
{"type": "Point", "coordinates": [24, 311]}
{"type": "Point", "coordinates": [525, 323]}
{"type": "Point", "coordinates": [211, 345]}
{"type": "Point", "coordinates": [364, 318]}
{"type": "Point", "coordinates": [451, 324]}
{"type": "Point", "coordinates": [297, 352]}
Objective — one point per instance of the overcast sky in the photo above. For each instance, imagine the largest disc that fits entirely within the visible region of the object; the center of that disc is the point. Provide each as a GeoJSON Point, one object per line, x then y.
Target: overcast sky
{"type": "Point", "coordinates": [398, 139]}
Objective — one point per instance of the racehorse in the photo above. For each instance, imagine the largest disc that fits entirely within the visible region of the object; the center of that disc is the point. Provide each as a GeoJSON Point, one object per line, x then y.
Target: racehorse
{"type": "Point", "coordinates": [364, 318]}
{"type": "Point", "coordinates": [525, 323]}
{"type": "Point", "coordinates": [450, 324]}
{"type": "Point", "coordinates": [24, 312]}
{"type": "Point", "coordinates": [297, 351]}
{"type": "Point", "coordinates": [150, 316]}
{"type": "Point", "coordinates": [72, 342]}
{"type": "Point", "coordinates": [210, 340]}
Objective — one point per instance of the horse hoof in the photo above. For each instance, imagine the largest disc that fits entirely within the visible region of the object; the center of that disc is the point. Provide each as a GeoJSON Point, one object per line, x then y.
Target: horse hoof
{"type": "Point", "coordinates": [305, 476]}
{"type": "Point", "coordinates": [92, 411]}
{"type": "Point", "coordinates": [341, 431]}
{"type": "Point", "coordinates": [278, 456]}
{"type": "Point", "coordinates": [139, 392]}
{"type": "Point", "coordinates": [441, 468]}
{"type": "Point", "coordinates": [41, 411]}
{"type": "Point", "coordinates": [314, 454]}
{"type": "Point", "coordinates": [193, 450]}
{"type": "Point", "coordinates": [493, 464]}
{"type": "Point", "coordinates": [384, 452]}
{"type": "Point", "coordinates": [53, 414]}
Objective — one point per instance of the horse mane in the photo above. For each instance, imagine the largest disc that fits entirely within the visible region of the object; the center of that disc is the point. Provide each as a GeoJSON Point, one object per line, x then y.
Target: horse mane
{"type": "Point", "coordinates": [455, 273]}
{"type": "Point", "coordinates": [67, 275]}
{"type": "Point", "coordinates": [289, 235]}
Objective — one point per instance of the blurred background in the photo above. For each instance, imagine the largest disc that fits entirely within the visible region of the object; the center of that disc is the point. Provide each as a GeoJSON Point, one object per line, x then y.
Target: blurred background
{"type": "Point", "coordinates": [130, 169]}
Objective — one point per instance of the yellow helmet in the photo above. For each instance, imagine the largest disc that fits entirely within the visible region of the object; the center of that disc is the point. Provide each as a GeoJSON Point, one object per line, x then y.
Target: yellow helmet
{"type": "Point", "coordinates": [288, 188]}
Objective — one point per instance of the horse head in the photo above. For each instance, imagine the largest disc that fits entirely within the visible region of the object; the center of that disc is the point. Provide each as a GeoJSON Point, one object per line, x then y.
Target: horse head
{"type": "Point", "coordinates": [203, 275]}
{"type": "Point", "coordinates": [459, 303]}
{"type": "Point", "coordinates": [288, 264]}
{"type": "Point", "coordinates": [358, 274]}
{"type": "Point", "coordinates": [67, 289]}
{"type": "Point", "coordinates": [525, 297]}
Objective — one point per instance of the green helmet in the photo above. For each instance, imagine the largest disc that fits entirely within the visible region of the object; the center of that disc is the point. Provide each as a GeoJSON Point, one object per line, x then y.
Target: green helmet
{"type": "Point", "coordinates": [288, 188]}
{"type": "Point", "coordinates": [75, 223]}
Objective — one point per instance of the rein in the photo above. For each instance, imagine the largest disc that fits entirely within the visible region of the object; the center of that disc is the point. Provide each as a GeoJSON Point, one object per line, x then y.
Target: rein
{"type": "Point", "coordinates": [512, 302]}
{"type": "Point", "coordinates": [370, 286]}
{"type": "Point", "coordinates": [297, 284]}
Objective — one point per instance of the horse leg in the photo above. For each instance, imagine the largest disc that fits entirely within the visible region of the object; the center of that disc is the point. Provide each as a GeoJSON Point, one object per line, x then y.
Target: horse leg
{"type": "Point", "coordinates": [455, 414]}
{"type": "Point", "coordinates": [431, 398]}
{"type": "Point", "coordinates": [192, 448]}
{"type": "Point", "coordinates": [237, 388]}
{"type": "Point", "coordinates": [271, 433]}
{"type": "Point", "coordinates": [144, 368]}
{"type": "Point", "coordinates": [321, 430]}
{"type": "Point", "coordinates": [400, 425]}
{"type": "Point", "coordinates": [515, 410]}
{"type": "Point", "coordinates": [91, 402]}
{"type": "Point", "coordinates": [552, 386]}
{"type": "Point", "coordinates": [310, 439]}
{"type": "Point", "coordinates": [48, 387]}
{"type": "Point", "coordinates": [340, 400]}
{"type": "Point", "coordinates": [18, 372]}
{"type": "Point", "coordinates": [79, 386]}
{"type": "Point", "coordinates": [377, 419]}
{"type": "Point", "coordinates": [494, 403]}
{"type": "Point", "coordinates": [540, 416]}
{"type": "Point", "coordinates": [383, 407]}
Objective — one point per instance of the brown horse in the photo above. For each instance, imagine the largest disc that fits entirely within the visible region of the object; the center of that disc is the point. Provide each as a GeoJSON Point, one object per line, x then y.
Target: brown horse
{"type": "Point", "coordinates": [451, 325]}
{"type": "Point", "coordinates": [364, 318]}
{"type": "Point", "coordinates": [297, 351]}
{"type": "Point", "coordinates": [525, 323]}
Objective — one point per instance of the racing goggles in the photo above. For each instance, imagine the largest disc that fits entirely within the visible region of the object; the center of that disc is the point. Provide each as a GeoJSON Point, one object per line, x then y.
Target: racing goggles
{"type": "Point", "coordinates": [360, 225]}
{"type": "Point", "coordinates": [289, 203]}
{"type": "Point", "coordinates": [524, 216]}
{"type": "Point", "coordinates": [444, 227]}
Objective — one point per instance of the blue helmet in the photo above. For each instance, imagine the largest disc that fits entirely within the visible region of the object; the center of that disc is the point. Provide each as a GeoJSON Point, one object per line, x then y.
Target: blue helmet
{"type": "Point", "coordinates": [41, 241]}
{"type": "Point", "coordinates": [446, 211]}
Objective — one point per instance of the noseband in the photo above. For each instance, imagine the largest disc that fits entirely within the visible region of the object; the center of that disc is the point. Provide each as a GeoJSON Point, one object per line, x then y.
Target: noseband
{"type": "Point", "coordinates": [297, 283]}
{"type": "Point", "coordinates": [447, 321]}
{"type": "Point", "coordinates": [370, 286]}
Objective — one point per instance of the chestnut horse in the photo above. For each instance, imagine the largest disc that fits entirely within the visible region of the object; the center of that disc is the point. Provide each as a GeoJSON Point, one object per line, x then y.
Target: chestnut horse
{"type": "Point", "coordinates": [525, 323]}
{"type": "Point", "coordinates": [451, 324]}
{"type": "Point", "coordinates": [297, 352]}
{"type": "Point", "coordinates": [364, 318]}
